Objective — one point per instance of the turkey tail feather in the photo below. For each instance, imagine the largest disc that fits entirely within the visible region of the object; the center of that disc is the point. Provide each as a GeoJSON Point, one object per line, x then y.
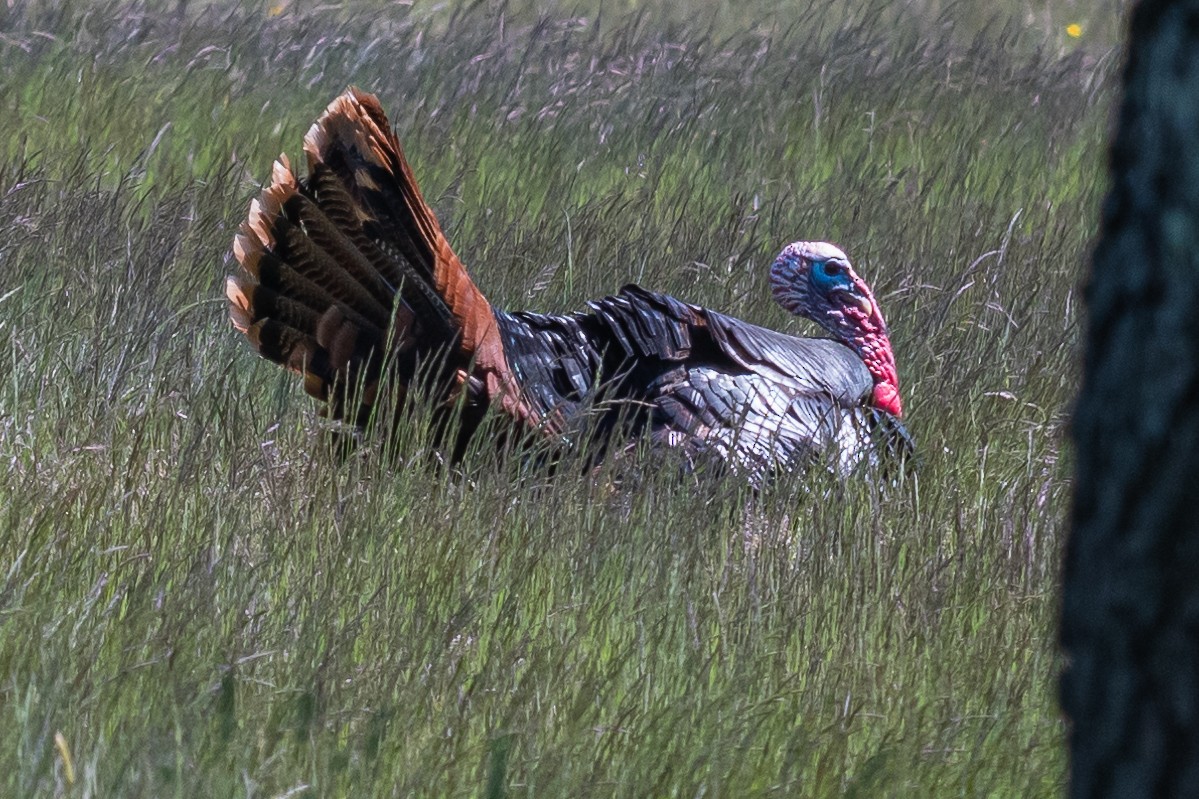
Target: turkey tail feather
{"type": "Point", "coordinates": [354, 142]}
{"type": "Point", "coordinates": [349, 267]}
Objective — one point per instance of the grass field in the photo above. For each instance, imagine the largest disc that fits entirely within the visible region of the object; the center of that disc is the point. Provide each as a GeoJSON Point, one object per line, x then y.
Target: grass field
{"type": "Point", "coordinates": [198, 599]}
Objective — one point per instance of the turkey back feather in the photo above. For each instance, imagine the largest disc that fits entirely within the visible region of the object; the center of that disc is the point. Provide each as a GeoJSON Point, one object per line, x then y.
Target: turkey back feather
{"type": "Point", "coordinates": [760, 400]}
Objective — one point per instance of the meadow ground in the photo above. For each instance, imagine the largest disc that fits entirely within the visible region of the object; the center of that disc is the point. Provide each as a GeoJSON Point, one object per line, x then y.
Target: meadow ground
{"type": "Point", "coordinates": [198, 599]}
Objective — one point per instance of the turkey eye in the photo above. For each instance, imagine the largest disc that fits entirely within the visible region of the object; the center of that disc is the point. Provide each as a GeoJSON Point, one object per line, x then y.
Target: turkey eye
{"type": "Point", "coordinates": [832, 269]}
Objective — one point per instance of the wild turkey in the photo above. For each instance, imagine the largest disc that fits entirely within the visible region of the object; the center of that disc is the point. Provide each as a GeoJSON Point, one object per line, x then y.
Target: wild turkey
{"type": "Point", "coordinates": [348, 280]}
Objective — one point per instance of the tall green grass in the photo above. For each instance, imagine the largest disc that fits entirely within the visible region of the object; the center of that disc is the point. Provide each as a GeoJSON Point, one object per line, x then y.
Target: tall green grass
{"type": "Point", "coordinates": [198, 598]}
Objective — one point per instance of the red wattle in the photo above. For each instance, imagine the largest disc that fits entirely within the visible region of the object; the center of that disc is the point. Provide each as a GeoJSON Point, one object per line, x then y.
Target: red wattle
{"type": "Point", "coordinates": [886, 398]}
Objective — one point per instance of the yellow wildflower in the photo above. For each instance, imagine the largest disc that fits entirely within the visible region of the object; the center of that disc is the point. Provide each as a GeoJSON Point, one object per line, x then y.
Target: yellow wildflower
{"type": "Point", "coordinates": [1074, 30]}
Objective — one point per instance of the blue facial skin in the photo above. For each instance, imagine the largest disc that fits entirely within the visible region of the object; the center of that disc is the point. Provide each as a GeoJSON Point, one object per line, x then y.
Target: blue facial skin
{"type": "Point", "coordinates": [830, 275]}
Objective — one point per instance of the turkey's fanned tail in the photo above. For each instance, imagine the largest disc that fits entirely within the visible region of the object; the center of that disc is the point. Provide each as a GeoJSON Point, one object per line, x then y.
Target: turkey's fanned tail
{"type": "Point", "coordinates": [347, 271]}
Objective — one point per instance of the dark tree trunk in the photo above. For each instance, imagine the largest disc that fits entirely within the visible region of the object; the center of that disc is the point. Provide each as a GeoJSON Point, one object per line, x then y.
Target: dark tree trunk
{"type": "Point", "coordinates": [1130, 610]}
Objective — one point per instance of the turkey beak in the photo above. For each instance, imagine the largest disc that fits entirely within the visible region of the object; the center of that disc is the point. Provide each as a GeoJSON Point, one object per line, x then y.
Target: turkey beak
{"type": "Point", "coordinates": [858, 300]}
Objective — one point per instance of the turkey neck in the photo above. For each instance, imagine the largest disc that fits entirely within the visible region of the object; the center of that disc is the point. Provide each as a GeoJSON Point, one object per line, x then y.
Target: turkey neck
{"type": "Point", "coordinates": [875, 352]}
{"type": "Point", "coordinates": [867, 335]}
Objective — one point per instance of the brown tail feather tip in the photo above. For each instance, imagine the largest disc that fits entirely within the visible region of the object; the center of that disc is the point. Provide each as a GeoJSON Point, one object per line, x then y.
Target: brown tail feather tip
{"type": "Point", "coordinates": [255, 236]}
{"type": "Point", "coordinates": [356, 119]}
{"type": "Point", "coordinates": [240, 312]}
{"type": "Point", "coordinates": [256, 230]}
